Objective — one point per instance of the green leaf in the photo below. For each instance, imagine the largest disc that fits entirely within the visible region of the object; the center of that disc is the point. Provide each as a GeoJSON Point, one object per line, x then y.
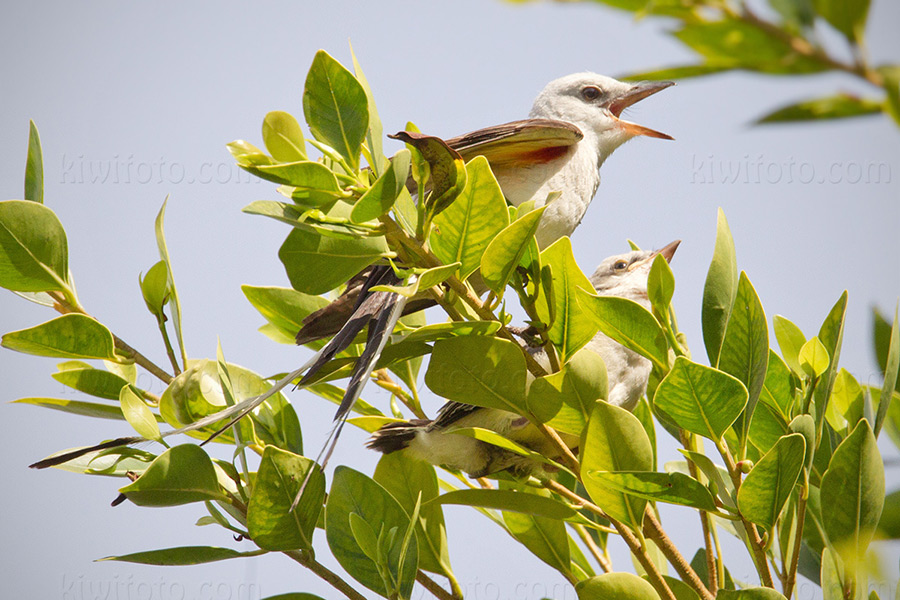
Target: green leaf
{"type": "Point", "coordinates": [464, 230]}
{"type": "Point", "coordinates": [571, 328]}
{"type": "Point", "coordinates": [719, 291]}
{"type": "Point", "coordinates": [852, 494]}
{"type": "Point", "coordinates": [509, 500]}
{"type": "Point", "coordinates": [621, 586]}
{"type": "Point", "coordinates": [745, 349]}
{"type": "Point", "coordinates": [439, 331]}
{"type": "Point", "coordinates": [545, 537]}
{"type": "Point", "coordinates": [164, 256]}
{"type": "Point", "coordinates": [778, 389]}
{"type": "Point", "coordinates": [660, 287]}
{"type": "Point", "coordinates": [831, 334]}
{"type": "Point", "coordinates": [769, 484]}
{"type": "Point", "coordinates": [313, 183]}
{"type": "Point", "coordinates": [615, 441]}
{"type": "Point", "coordinates": [628, 323]}
{"type": "Point", "coordinates": [790, 340]}
{"type": "Point", "coordinates": [889, 523]}
{"type": "Point", "coordinates": [375, 131]}
{"type": "Point", "coordinates": [813, 358]}
{"type": "Point", "coordinates": [271, 523]}
{"type": "Point", "coordinates": [847, 16]}
{"type": "Point", "coordinates": [700, 399]}
{"type": "Point", "coordinates": [840, 106]}
{"type": "Point", "coordinates": [384, 192]}
{"type": "Point", "coordinates": [34, 167]}
{"type": "Point", "coordinates": [138, 414]}
{"type": "Point", "coordinates": [679, 72]}
{"type": "Point", "coordinates": [284, 308]}
{"type": "Point", "coordinates": [673, 488]}
{"type": "Point", "coordinates": [76, 407]}
{"type": "Point", "coordinates": [84, 378]}
{"type": "Point", "coordinates": [567, 398]}
{"type": "Point", "coordinates": [294, 596]}
{"type": "Point", "coordinates": [182, 556]}
{"type": "Point", "coordinates": [424, 280]}
{"type": "Point", "coordinates": [405, 478]}
{"type": "Point", "coordinates": [353, 492]}
{"type": "Point", "coordinates": [316, 264]}
{"type": "Point", "coordinates": [753, 593]}
{"type": "Point", "coordinates": [890, 373]}
{"type": "Point", "coordinates": [714, 473]}
{"type": "Point", "coordinates": [33, 248]}
{"type": "Point", "coordinates": [767, 427]}
{"type": "Point", "coordinates": [336, 107]}
{"type": "Point", "coordinates": [806, 426]}
{"type": "Point", "coordinates": [478, 370]}
{"type": "Point", "coordinates": [180, 475]}
{"type": "Point", "coordinates": [846, 405]}
{"type": "Point", "coordinates": [797, 12]}
{"type": "Point", "coordinates": [493, 438]}
{"type": "Point", "coordinates": [283, 137]}
{"type": "Point", "coordinates": [69, 336]}
{"type": "Point", "coordinates": [155, 288]}
{"type": "Point", "coordinates": [505, 250]}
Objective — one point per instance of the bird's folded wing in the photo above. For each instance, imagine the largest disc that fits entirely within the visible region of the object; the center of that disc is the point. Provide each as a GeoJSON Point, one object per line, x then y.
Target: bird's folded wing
{"type": "Point", "coordinates": [531, 140]}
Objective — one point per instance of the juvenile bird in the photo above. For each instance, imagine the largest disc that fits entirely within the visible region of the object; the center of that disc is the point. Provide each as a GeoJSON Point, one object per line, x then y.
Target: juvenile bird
{"type": "Point", "coordinates": [623, 275]}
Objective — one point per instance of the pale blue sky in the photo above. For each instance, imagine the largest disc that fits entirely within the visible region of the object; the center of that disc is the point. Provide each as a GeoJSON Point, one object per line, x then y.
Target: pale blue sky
{"type": "Point", "coordinates": [159, 90]}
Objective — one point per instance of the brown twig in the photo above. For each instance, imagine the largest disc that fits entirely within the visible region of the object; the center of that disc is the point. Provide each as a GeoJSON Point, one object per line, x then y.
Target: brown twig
{"type": "Point", "coordinates": [306, 559]}
{"type": "Point", "coordinates": [798, 541]}
{"type": "Point", "coordinates": [432, 586]}
{"type": "Point", "coordinates": [593, 548]}
{"type": "Point", "coordinates": [653, 530]}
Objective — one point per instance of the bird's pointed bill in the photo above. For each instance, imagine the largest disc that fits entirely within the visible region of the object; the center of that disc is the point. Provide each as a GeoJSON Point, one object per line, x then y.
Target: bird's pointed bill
{"type": "Point", "coordinates": [635, 94]}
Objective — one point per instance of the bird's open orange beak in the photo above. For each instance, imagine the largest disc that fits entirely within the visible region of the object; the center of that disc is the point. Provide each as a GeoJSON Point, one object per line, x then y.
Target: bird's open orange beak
{"type": "Point", "coordinates": [635, 94]}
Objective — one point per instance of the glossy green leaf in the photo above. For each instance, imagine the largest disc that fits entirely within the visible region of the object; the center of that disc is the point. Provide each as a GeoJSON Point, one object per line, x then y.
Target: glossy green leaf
{"type": "Point", "coordinates": [790, 340]}
{"type": "Point", "coordinates": [813, 358]}
{"type": "Point", "coordinates": [889, 523]}
{"type": "Point", "coordinates": [384, 192]}
{"type": "Point", "coordinates": [660, 286]}
{"type": "Point", "coordinates": [405, 478]}
{"type": "Point", "coordinates": [628, 323]}
{"type": "Point", "coordinates": [890, 373]}
{"type": "Point", "coordinates": [672, 488]}
{"type": "Point", "coordinates": [571, 328]}
{"type": "Point", "coordinates": [700, 399]}
{"type": "Point", "coordinates": [764, 492]}
{"type": "Point", "coordinates": [283, 308]}
{"type": "Point", "coordinates": [180, 475]}
{"type": "Point", "coordinates": [69, 336]}
{"type": "Point", "coordinates": [505, 250]}
{"type": "Point", "coordinates": [294, 596]}
{"type": "Point", "coordinates": [679, 72]}
{"type": "Point", "coordinates": [831, 334]}
{"type": "Point", "coordinates": [615, 441]}
{"type": "Point", "coordinates": [271, 523]}
{"type": "Point", "coordinates": [479, 370]}
{"type": "Point", "coordinates": [767, 427]}
{"type": "Point", "coordinates": [716, 474]}
{"type": "Point", "coordinates": [181, 556]}
{"type": "Point", "coordinates": [164, 256]}
{"type": "Point", "coordinates": [155, 288]}
{"type": "Point", "coordinates": [439, 331]}
{"type": "Point", "coordinates": [753, 593]}
{"type": "Point", "coordinates": [336, 107]}
{"type": "Point", "coordinates": [34, 167]}
{"type": "Point", "coordinates": [545, 537]}
{"type": "Point", "coordinates": [852, 493]}
{"type": "Point", "coordinates": [621, 586]}
{"type": "Point", "coordinates": [805, 425]}
{"type": "Point", "coordinates": [840, 106]}
{"type": "Point", "coordinates": [77, 407]}
{"type": "Point", "coordinates": [846, 405]}
{"type": "Point", "coordinates": [463, 231]}
{"type": "Point", "coordinates": [847, 16]}
{"type": "Point", "coordinates": [428, 278]}
{"type": "Point", "coordinates": [375, 131]}
{"type": "Point", "coordinates": [316, 264]}
{"type": "Point", "coordinates": [509, 500]}
{"type": "Point", "coordinates": [138, 414]}
{"type": "Point", "coordinates": [745, 348]}
{"type": "Point", "coordinates": [84, 378]}
{"type": "Point", "coordinates": [33, 248]}
{"type": "Point", "coordinates": [778, 389]}
{"type": "Point", "coordinates": [313, 183]}
{"type": "Point", "coordinates": [283, 137]}
{"type": "Point", "coordinates": [719, 291]}
{"type": "Point", "coordinates": [353, 492]}
{"type": "Point", "coordinates": [567, 398]}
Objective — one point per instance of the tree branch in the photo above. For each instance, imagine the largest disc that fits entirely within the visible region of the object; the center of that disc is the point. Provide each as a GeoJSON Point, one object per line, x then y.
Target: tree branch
{"type": "Point", "coordinates": [306, 559]}
{"type": "Point", "coordinates": [653, 529]}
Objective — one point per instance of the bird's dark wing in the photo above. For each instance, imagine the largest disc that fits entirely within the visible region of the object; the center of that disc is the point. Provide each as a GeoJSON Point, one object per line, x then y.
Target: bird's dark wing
{"type": "Point", "coordinates": [452, 412]}
{"type": "Point", "coordinates": [519, 142]}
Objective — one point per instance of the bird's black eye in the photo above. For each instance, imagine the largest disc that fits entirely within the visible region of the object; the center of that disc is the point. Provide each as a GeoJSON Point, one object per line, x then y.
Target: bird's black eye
{"type": "Point", "coordinates": [620, 265]}
{"type": "Point", "coordinates": [591, 93]}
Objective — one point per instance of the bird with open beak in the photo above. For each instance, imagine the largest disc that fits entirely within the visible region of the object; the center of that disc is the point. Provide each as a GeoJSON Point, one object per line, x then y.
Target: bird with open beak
{"type": "Point", "coordinates": [624, 276]}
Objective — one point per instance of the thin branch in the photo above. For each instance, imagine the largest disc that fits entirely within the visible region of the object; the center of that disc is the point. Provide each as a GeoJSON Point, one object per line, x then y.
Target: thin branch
{"type": "Point", "coordinates": [161, 322]}
{"type": "Point", "coordinates": [306, 559]}
{"type": "Point", "coordinates": [593, 548]}
{"type": "Point", "coordinates": [384, 381]}
{"type": "Point", "coordinates": [432, 586]}
{"type": "Point", "coordinates": [653, 529]}
{"type": "Point", "coordinates": [798, 540]}
{"type": "Point", "coordinates": [625, 533]}
{"type": "Point", "coordinates": [706, 522]}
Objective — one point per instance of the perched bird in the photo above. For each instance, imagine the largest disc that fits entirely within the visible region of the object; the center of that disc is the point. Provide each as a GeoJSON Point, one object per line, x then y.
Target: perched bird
{"type": "Point", "coordinates": [574, 126]}
{"type": "Point", "coordinates": [623, 275]}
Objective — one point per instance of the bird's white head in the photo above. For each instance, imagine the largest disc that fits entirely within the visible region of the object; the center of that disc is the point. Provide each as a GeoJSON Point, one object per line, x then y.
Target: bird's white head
{"type": "Point", "coordinates": [594, 103]}
{"type": "Point", "coordinates": [625, 275]}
